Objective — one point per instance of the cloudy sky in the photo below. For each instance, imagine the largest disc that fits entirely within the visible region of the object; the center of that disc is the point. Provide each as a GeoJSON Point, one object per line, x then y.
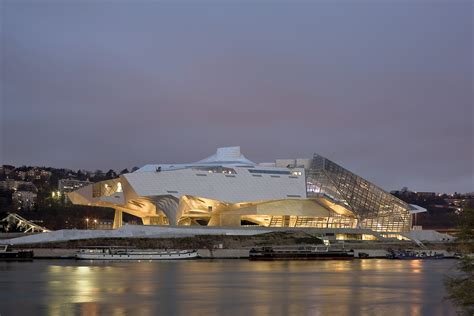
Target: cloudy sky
{"type": "Point", "coordinates": [384, 88]}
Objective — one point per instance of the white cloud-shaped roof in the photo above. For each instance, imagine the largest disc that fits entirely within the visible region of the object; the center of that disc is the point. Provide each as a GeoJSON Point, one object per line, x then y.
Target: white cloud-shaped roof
{"type": "Point", "coordinates": [225, 156]}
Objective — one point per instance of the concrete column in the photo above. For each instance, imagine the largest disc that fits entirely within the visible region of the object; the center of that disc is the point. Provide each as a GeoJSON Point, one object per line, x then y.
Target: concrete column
{"type": "Point", "coordinates": [170, 206]}
{"type": "Point", "coordinates": [117, 219]}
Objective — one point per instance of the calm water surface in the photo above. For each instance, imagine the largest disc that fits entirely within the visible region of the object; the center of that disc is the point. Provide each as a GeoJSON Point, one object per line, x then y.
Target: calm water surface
{"type": "Point", "coordinates": [225, 287]}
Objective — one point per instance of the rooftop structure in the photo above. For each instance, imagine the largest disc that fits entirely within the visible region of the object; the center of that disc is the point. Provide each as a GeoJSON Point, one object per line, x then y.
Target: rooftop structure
{"type": "Point", "coordinates": [227, 189]}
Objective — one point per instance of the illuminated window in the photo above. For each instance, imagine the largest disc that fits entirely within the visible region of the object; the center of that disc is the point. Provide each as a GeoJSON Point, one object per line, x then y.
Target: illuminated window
{"type": "Point", "coordinates": [269, 171]}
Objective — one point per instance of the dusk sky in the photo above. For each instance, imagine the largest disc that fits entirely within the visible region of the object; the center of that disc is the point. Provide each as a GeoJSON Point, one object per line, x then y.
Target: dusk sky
{"type": "Point", "coordinates": [383, 88]}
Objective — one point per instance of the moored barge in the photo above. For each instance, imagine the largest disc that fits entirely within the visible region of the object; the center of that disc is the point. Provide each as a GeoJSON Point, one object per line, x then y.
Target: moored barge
{"type": "Point", "coordinates": [410, 255]}
{"type": "Point", "coordinates": [8, 254]}
{"type": "Point", "coordinates": [300, 253]}
{"type": "Point", "coordinates": [113, 253]}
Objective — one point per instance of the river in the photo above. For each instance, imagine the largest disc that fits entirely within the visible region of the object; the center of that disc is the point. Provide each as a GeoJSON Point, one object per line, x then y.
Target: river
{"type": "Point", "coordinates": [225, 287]}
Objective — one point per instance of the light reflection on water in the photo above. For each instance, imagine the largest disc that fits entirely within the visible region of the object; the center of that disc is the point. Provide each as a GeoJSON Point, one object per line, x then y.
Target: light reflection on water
{"type": "Point", "coordinates": [230, 287]}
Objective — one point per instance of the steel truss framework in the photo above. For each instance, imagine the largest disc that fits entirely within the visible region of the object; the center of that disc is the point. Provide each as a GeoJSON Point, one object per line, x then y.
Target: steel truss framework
{"type": "Point", "coordinates": [15, 220]}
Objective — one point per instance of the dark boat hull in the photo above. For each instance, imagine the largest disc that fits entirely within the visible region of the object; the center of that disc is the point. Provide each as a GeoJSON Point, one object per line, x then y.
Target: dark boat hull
{"type": "Point", "coordinates": [16, 255]}
{"type": "Point", "coordinates": [410, 255]}
{"type": "Point", "coordinates": [295, 256]}
{"type": "Point", "coordinates": [416, 258]}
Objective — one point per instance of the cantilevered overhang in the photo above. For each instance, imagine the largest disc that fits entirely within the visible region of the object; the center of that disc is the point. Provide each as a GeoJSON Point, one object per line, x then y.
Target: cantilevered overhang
{"type": "Point", "coordinates": [83, 196]}
{"type": "Point", "coordinates": [294, 207]}
{"type": "Point", "coordinates": [415, 209]}
{"type": "Point", "coordinates": [192, 205]}
{"type": "Point", "coordinates": [105, 193]}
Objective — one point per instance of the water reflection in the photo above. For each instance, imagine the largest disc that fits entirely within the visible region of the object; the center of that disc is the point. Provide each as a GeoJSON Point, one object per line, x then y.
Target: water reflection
{"type": "Point", "coordinates": [227, 287]}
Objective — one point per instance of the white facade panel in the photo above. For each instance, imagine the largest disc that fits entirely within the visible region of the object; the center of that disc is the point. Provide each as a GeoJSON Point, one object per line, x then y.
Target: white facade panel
{"type": "Point", "coordinates": [233, 188]}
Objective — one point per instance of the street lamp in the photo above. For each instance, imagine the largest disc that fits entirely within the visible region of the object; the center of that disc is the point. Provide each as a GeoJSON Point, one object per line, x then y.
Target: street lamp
{"type": "Point", "coordinates": [95, 224]}
{"type": "Point", "coordinates": [87, 223]}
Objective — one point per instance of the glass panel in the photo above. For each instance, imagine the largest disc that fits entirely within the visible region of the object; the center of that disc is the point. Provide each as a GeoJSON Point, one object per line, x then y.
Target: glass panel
{"type": "Point", "coordinates": [375, 208]}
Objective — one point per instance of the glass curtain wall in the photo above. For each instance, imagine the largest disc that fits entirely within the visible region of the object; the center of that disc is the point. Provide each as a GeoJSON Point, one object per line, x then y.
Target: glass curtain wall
{"type": "Point", "coordinates": [375, 208]}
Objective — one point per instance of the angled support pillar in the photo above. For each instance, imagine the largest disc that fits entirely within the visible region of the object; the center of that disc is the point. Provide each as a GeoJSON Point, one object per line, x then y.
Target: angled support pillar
{"type": "Point", "coordinates": [170, 206]}
{"type": "Point", "coordinates": [117, 219]}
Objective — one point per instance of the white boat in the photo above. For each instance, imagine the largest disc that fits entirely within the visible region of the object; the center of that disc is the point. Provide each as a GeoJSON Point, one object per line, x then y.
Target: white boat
{"type": "Point", "coordinates": [112, 253]}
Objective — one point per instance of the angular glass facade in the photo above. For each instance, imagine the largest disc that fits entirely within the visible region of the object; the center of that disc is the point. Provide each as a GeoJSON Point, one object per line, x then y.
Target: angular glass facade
{"type": "Point", "coordinates": [372, 207]}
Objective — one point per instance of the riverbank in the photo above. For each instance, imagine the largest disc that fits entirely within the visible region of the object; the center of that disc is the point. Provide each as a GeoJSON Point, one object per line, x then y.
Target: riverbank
{"type": "Point", "coordinates": [231, 246]}
{"type": "Point", "coordinates": [237, 253]}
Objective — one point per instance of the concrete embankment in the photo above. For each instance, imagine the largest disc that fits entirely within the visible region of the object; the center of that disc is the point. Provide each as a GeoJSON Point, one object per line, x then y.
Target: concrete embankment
{"type": "Point", "coordinates": [166, 232]}
{"type": "Point", "coordinates": [54, 253]}
{"type": "Point", "coordinates": [7, 236]}
{"type": "Point", "coordinates": [227, 246]}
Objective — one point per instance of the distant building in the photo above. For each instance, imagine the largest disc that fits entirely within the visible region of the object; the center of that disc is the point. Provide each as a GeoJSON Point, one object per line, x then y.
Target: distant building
{"type": "Point", "coordinates": [24, 200]}
{"type": "Point", "coordinates": [457, 202]}
{"type": "Point", "coordinates": [426, 194]}
{"type": "Point", "coordinates": [404, 192]}
{"type": "Point", "coordinates": [6, 169]}
{"type": "Point", "coordinates": [20, 174]}
{"type": "Point", "coordinates": [38, 174]}
{"type": "Point", "coordinates": [12, 184]}
{"type": "Point", "coordinates": [6, 184]}
{"type": "Point", "coordinates": [24, 193]}
{"type": "Point", "coordinates": [104, 224]}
